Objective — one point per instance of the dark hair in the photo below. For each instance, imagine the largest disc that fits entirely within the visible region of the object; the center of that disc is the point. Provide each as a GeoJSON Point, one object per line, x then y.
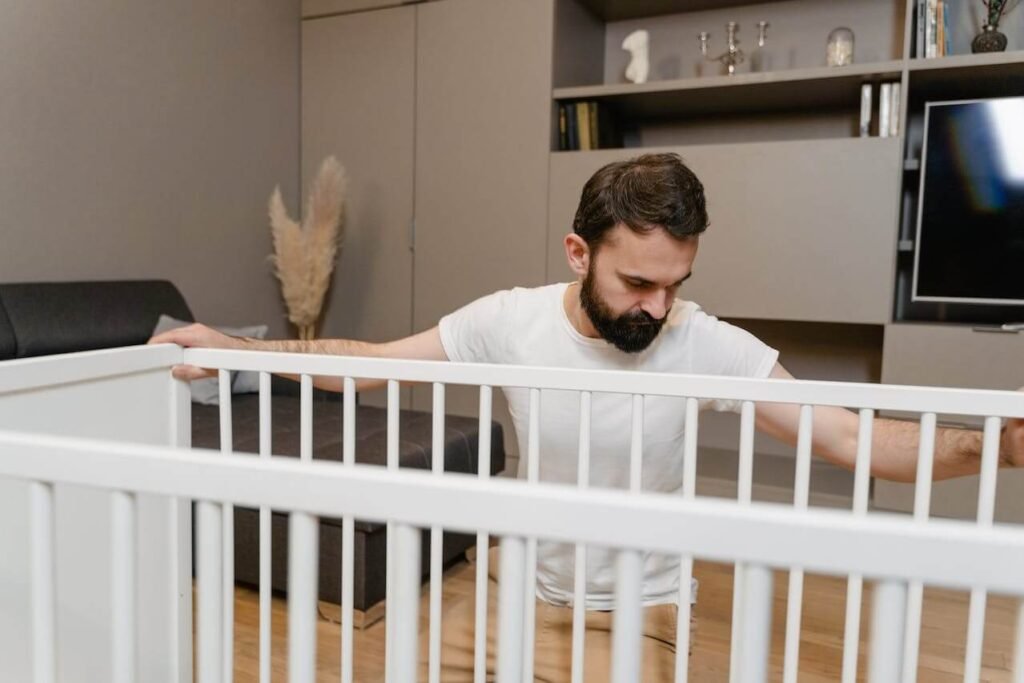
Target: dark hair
{"type": "Point", "coordinates": [646, 193]}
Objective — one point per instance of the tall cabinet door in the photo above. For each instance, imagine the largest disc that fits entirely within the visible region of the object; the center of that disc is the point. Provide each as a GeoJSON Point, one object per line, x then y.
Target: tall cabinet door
{"type": "Point", "coordinates": [483, 108]}
{"type": "Point", "coordinates": [483, 105]}
{"type": "Point", "coordinates": [358, 103]}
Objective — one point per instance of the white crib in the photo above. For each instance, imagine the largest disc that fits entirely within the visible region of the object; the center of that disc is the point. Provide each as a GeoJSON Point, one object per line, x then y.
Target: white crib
{"type": "Point", "coordinates": [95, 541]}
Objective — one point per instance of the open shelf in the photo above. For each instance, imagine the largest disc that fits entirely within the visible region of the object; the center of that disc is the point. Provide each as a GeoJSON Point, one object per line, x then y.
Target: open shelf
{"type": "Point", "coordinates": [620, 10]}
{"type": "Point", "coordinates": [770, 91]}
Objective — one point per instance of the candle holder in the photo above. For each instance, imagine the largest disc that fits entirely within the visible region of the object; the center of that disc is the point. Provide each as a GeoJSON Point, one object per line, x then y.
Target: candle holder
{"type": "Point", "coordinates": [733, 54]}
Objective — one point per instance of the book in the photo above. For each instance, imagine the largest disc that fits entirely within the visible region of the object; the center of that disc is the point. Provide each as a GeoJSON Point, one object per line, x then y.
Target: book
{"type": "Point", "coordinates": [583, 125]}
{"type": "Point", "coordinates": [922, 21]}
{"type": "Point", "coordinates": [595, 141]}
{"type": "Point", "coordinates": [563, 128]}
{"type": "Point", "coordinates": [884, 102]}
{"type": "Point", "coordinates": [894, 111]}
{"type": "Point", "coordinates": [929, 29]}
{"type": "Point", "coordinates": [570, 126]}
{"type": "Point", "coordinates": [865, 110]}
{"type": "Point", "coordinates": [940, 24]}
{"type": "Point", "coordinates": [947, 44]}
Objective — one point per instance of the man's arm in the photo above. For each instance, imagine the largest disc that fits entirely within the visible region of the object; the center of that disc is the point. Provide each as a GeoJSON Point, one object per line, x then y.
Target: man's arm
{"type": "Point", "coordinates": [894, 443]}
{"type": "Point", "coordinates": [423, 346]}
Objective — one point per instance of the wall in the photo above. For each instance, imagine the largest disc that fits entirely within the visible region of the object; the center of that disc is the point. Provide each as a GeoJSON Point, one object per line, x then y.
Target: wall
{"type": "Point", "coordinates": [143, 139]}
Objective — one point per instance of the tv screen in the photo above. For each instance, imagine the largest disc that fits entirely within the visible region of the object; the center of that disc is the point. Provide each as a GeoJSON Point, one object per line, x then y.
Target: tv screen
{"type": "Point", "coordinates": [970, 223]}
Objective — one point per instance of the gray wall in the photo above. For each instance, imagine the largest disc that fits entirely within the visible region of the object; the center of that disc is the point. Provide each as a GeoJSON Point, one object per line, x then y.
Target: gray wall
{"type": "Point", "coordinates": [142, 139]}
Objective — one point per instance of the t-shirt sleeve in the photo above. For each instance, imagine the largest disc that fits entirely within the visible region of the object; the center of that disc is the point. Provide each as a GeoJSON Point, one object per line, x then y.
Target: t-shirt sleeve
{"type": "Point", "coordinates": [735, 353]}
{"type": "Point", "coordinates": [479, 331]}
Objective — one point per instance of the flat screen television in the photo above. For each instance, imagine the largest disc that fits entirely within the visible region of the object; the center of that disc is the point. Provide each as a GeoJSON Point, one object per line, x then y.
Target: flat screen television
{"type": "Point", "coordinates": [970, 222]}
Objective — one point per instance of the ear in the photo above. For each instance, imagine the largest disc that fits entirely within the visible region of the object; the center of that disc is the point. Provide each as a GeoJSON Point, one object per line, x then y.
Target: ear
{"type": "Point", "coordinates": [577, 253]}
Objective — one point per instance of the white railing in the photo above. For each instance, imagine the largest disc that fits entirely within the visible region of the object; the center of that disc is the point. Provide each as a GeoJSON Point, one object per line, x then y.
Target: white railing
{"type": "Point", "coordinates": [904, 553]}
{"type": "Point", "coordinates": [893, 549]}
{"type": "Point", "coordinates": [868, 399]}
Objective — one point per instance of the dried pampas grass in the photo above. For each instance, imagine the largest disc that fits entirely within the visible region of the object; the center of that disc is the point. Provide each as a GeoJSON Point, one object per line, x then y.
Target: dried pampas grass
{"type": "Point", "coordinates": [304, 256]}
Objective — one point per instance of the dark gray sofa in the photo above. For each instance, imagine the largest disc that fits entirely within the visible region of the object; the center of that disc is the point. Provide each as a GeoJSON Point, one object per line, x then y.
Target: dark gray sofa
{"type": "Point", "coordinates": [47, 318]}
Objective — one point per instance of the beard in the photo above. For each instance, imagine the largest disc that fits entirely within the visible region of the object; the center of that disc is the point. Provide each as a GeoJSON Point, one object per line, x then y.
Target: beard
{"type": "Point", "coordinates": [629, 332]}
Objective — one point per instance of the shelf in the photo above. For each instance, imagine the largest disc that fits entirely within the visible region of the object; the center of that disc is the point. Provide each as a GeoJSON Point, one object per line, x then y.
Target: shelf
{"type": "Point", "coordinates": [619, 10]}
{"type": "Point", "coordinates": [967, 76]}
{"type": "Point", "coordinates": [1010, 59]}
{"type": "Point", "coordinates": [776, 90]}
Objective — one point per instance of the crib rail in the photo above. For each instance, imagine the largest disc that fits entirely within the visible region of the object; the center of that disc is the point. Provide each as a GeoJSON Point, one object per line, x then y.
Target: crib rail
{"type": "Point", "coordinates": [902, 553]}
{"type": "Point", "coordinates": [896, 550]}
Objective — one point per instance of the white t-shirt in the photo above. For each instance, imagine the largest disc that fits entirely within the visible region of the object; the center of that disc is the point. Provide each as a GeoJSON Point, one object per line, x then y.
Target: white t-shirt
{"type": "Point", "coordinates": [530, 327]}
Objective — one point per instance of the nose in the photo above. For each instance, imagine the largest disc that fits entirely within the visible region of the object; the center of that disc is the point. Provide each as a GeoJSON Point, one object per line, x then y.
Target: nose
{"type": "Point", "coordinates": [656, 304]}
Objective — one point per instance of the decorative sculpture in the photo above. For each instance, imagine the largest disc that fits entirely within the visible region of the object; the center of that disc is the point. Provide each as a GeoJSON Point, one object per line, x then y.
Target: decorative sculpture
{"type": "Point", "coordinates": [636, 43]}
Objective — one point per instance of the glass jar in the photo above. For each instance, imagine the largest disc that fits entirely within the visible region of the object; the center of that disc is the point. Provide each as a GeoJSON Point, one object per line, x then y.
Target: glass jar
{"type": "Point", "coordinates": [840, 47]}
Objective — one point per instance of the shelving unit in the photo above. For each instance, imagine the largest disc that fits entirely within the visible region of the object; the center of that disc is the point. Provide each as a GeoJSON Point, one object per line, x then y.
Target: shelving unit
{"type": "Point", "coordinates": [812, 238]}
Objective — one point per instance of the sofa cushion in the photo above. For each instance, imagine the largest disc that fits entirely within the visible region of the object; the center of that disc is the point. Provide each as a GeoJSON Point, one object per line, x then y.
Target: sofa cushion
{"type": "Point", "coordinates": [415, 435]}
{"type": "Point", "coordinates": [63, 317]}
{"type": "Point", "coordinates": [8, 347]}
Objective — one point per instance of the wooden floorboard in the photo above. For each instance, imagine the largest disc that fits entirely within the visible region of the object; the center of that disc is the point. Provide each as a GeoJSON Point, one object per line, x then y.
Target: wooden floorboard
{"type": "Point", "coordinates": [943, 634]}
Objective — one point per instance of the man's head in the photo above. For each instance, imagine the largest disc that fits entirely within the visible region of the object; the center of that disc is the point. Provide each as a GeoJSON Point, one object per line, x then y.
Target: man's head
{"type": "Point", "coordinates": [634, 240]}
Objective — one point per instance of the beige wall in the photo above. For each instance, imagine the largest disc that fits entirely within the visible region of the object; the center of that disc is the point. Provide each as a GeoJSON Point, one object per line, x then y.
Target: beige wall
{"type": "Point", "coordinates": [142, 138]}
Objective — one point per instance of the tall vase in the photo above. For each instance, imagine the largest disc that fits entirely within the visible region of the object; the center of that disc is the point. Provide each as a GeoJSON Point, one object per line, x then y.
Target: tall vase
{"type": "Point", "coordinates": [989, 40]}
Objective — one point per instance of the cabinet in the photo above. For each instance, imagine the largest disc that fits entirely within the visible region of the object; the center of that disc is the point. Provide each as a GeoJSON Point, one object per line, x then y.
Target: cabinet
{"type": "Point", "coordinates": [358, 103]}
{"type": "Point", "coordinates": [954, 356]}
{"type": "Point", "coordinates": [441, 113]}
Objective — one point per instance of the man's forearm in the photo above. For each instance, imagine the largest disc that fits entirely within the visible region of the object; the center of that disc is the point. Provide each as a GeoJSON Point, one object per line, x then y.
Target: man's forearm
{"type": "Point", "coordinates": [329, 347]}
{"type": "Point", "coordinates": [896, 444]}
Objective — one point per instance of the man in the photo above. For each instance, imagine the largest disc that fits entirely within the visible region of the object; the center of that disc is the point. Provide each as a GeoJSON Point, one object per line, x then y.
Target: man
{"type": "Point", "coordinates": [634, 242]}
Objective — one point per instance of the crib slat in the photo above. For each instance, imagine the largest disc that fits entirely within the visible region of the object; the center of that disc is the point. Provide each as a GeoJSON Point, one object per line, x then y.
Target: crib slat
{"type": "Point", "coordinates": [855, 583]}
{"type": "Point", "coordinates": [44, 583]}
{"type": "Point", "coordinates": [210, 584]}
{"type": "Point", "coordinates": [744, 490]}
{"type": "Point", "coordinates": [627, 620]}
{"type": "Point", "coordinates": [228, 546]}
{"type": "Point", "coordinates": [265, 521]}
{"type": "Point", "coordinates": [405, 653]}
{"type": "Point", "coordinates": [482, 542]}
{"type": "Point", "coordinates": [887, 628]}
{"type": "Point", "coordinates": [306, 418]}
{"type": "Point", "coordinates": [348, 457]}
{"type": "Point", "coordinates": [579, 607]}
{"type": "Point", "coordinates": [529, 599]}
{"type": "Point", "coordinates": [801, 495]}
{"type": "Point", "coordinates": [389, 565]}
{"type": "Point", "coordinates": [510, 610]}
{"type": "Point", "coordinates": [123, 576]}
{"type": "Point", "coordinates": [755, 633]}
{"type": "Point", "coordinates": [436, 539]}
{"type": "Point", "coordinates": [302, 591]}
{"type": "Point", "coordinates": [686, 561]}
{"type": "Point", "coordinates": [922, 503]}
{"type": "Point", "coordinates": [636, 446]}
{"type": "Point", "coordinates": [986, 514]}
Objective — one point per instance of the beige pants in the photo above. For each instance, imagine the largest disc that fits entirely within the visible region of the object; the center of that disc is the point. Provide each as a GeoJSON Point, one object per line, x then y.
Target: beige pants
{"type": "Point", "coordinates": [553, 642]}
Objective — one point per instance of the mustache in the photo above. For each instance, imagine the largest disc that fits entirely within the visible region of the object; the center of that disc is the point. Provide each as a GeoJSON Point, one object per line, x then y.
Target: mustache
{"type": "Point", "coordinates": [641, 319]}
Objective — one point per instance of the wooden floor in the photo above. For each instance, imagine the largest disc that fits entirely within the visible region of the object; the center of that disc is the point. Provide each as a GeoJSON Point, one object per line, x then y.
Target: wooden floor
{"type": "Point", "coordinates": [942, 637]}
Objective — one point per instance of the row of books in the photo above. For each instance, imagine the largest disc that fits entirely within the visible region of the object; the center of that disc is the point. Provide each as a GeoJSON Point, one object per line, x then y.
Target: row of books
{"type": "Point", "coordinates": [933, 37]}
{"type": "Point", "coordinates": [888, 110]}
{"type": "Point", "coordinates": [586, 125]}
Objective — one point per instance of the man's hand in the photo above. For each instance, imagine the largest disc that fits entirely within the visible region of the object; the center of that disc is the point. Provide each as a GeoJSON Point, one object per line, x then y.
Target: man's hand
{"type": "Point", "coordinates": [200, 336]}
{"type": "Point", "coordinates": [1011, 445]}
